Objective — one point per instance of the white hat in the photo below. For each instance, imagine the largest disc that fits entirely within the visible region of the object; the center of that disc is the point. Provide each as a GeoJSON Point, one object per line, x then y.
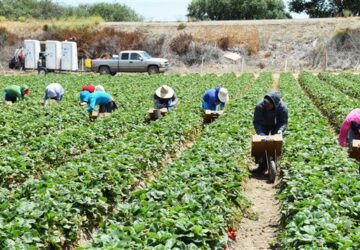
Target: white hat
{"type": "Point", "coordinates": [165, 92]}
{"type": "Point", "coordinates": [99, 88]}
{"type": "Point", "coordinates": [223, 95]}
{"type": "Point", "coordinates": [51, 93]}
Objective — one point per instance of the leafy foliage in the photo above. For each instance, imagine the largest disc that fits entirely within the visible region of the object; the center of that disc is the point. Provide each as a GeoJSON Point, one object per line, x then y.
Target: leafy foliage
{"type": "Point", "coordinates": [320, 196]}
{"type": "Point", "coordinates": [344, 85]}
{"type": "Point", "coordinates": [192, 201]}
{"type": "Point", "coordinates": [79, 193]}
{"type": "Point", "coordinates": [332, 102]}
{"type": "Point", "coordinates": [325, 8]}
{"type": "Point", "coordinates": [237, 10]}
{"type": "Point", "coordinates": [47, 9]}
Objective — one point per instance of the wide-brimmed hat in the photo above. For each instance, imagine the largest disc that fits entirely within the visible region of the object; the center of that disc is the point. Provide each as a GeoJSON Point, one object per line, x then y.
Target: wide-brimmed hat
{"type": "Point", "coordinates": [223, 95]}
{"type": "Point", "coordinates": [165, 92]}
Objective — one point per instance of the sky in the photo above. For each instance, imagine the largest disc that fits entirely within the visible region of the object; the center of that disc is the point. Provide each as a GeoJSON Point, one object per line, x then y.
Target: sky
{"type": "Point", "coordinates": [154, 10]}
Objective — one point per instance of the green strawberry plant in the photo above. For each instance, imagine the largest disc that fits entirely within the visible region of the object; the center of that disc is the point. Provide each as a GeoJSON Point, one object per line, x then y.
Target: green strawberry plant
{"type": "Point", "coordinates": [80, 194]}
{"type": "Point", "coordinates": [331, 101]}
{"type": "Point", "coordinates": [320, 193]}
{"type": "Point", "coordinates": [341, 83]}
{"type": "Point", "coordinates": [194, 199]}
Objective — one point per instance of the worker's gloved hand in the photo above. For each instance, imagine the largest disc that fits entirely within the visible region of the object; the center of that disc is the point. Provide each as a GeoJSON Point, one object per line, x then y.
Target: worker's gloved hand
{"type": "Point", "coordinates": [279, 132]}
{"type": "Point", "coordinates": [262, 134]}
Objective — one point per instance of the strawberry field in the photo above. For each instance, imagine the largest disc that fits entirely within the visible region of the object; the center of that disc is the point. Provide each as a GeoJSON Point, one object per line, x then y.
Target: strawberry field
{"type": "Point", "coordinates": [124, 182]}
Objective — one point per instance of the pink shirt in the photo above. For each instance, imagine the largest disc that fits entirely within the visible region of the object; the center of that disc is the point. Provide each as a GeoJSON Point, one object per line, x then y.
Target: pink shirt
{"type": "Point", "coordinates": [354, 116]}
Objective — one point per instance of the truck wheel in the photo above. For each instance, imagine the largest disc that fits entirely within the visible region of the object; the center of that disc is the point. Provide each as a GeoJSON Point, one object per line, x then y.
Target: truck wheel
{"type": "Point", "coordinates": [103, 70]}
{"type": "Point", "coordinates": [153, 70]}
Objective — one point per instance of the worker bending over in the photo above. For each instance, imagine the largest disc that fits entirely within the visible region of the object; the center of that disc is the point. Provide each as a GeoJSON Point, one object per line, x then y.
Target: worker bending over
{"type": "Point", "coordinates": [101, 99]}
{"type": "Point", "coordinates": [53, 91]}
{"type": "Point", "coordinates": [215, 99]}
{"type": "Point", "coordinates": [15, 93]}
{"type": "Point", "coordinates": [350, 128]}
{"type": "Point", "coordinates": [165, 97]}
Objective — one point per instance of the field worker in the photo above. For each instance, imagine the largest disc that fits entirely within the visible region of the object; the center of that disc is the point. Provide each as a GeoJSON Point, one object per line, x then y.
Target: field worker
{"type": "Point", "coordinates": [99, 88]}
{"type": "Point", "coordinates": [53, 91]}
{"type": "Point", "coordinates": [215, 97]}
{"type": "Point", "coordinates": [86, 89]}
{"type": "Point", "coordinates": [103, 99]}
{"type": "Point", "coordinates": [271, 115]}
{"type": "Point", "coordinates": [165, 97]}
{"type": "Point", "coordinates": [350, 129]}
{"type": "Point", "coordinates": [14, 93]}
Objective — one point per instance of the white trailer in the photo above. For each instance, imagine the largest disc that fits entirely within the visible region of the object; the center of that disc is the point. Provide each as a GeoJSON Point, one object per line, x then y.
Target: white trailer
{"type": "Point", "coordinates": [32, 51]}
{"type": "Point", "coordinates": [53, 55]}
{"type": "Point", "coordinates": [69, 58]}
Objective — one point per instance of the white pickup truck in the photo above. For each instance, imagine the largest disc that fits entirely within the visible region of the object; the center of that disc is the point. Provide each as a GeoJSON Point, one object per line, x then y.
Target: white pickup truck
{"type": "Point", "coordinates": [130, 61]}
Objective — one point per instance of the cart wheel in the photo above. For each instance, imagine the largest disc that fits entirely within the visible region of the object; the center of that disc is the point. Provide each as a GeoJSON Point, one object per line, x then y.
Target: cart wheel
{"type": "Point", "coordinates": [272, 172]}
{"type": "Point", "coordinates": [42, 72]}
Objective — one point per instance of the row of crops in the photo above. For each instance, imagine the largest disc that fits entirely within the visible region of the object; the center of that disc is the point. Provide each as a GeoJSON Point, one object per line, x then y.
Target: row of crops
{"type": "Point", "coordinates": [126, 183]}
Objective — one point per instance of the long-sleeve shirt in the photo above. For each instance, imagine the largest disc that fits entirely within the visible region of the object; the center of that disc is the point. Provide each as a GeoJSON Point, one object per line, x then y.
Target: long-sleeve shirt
{"type": "Point", "coordinates": [14, 91]}
{"type": "Point", "coordinates": [274, 120]}
{"type": "Point", "coordinates": [354, 116]}
{"type": "Point", "coordinates": [53, 90]}
{"type": "Point", "coordinates": [211, 99]}
{"type": "Point", "coordinates": [165, 103]}
{"type": "Point", "coordinates": [97, 98]}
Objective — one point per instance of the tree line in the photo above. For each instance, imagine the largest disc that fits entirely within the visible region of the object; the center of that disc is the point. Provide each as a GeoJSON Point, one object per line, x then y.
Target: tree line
{"type": "Point", "coordinates": [48, 9]}
{"type": "Point", "coordinates": [269, 9]}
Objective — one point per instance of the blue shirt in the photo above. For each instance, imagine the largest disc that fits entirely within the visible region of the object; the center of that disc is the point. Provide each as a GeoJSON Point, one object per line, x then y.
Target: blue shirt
{"type": "Point", "coordinates": [98, 98]}
{"type": "Point", "coordinates": [211, 99]}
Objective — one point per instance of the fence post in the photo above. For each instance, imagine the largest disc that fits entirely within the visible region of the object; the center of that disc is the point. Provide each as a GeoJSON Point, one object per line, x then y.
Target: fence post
{"type": "Point", "coordinates": [202, 64]}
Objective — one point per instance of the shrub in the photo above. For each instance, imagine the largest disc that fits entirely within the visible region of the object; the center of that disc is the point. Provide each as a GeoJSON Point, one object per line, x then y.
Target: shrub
{"type": "Point", "coordinates": [181, 26]}
{"type": "Point", "coordinates": [181, 44]}
{"type": "Point", "coordinates": [224, 43]}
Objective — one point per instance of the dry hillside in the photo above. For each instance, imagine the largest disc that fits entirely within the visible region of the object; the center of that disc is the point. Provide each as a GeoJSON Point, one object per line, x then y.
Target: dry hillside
{"type": "Point", "coordinates": [313, 44]}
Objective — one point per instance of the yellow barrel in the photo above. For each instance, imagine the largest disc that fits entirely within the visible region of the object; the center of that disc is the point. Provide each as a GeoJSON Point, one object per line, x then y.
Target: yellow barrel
{"type": "Point", "coordinates": [87, 63]}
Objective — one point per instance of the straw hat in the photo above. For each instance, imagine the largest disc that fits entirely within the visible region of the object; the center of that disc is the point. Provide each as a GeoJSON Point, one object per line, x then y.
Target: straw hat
{"type": "Point", "coordinates": [223, 95]}
{"type": "Point", "coordinates": [165, 92]}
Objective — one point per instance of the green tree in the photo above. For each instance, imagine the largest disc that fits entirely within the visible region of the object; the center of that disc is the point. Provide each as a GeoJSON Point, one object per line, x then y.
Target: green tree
{"type": "Point", "coordinates": [237, 9]}
{"type": "Point", "coordinates": [325, 8]}
{"type": "Point", "coordinates": [110, 11]}
{"type": "Point", "coordinates": [48, 9]}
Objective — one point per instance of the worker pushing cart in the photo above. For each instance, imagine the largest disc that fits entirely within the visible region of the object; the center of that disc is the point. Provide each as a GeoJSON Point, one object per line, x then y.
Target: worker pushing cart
{"type": "Point", "coordinates": [270, 118]}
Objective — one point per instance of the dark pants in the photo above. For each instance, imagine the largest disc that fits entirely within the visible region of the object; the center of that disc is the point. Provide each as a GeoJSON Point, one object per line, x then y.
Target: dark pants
{"type": "Point", "coordinates": [9, 98]}
{"type": "Point", "coordinates": [108, 108]}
